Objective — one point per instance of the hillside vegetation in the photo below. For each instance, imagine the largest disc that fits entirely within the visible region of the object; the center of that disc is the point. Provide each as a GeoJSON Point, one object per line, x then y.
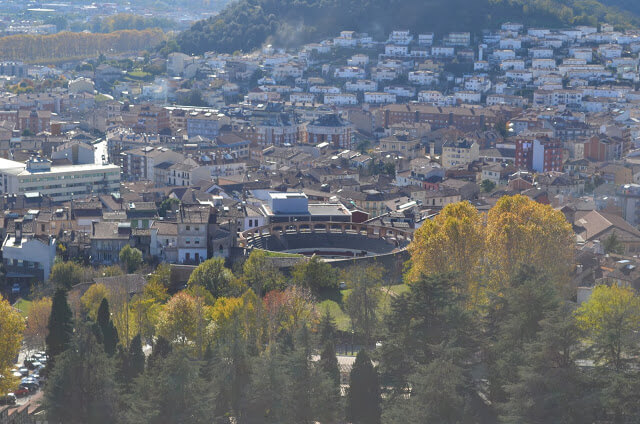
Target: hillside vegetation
{"type": "Point", "coordinates": [247, 24]}
{"type": "Point", "coordinates": [73, 44]}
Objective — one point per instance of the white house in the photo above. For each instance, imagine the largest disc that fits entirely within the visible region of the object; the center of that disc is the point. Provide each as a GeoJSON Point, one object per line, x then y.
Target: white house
{"type": "Point", "coordinates": [423, 77]}
{"type": "Point", "coordinates": [379, 98]}
{"type": "Point", "coordinates": [340, 99]}
{"type": "Point", "coordinates": [361, 85]}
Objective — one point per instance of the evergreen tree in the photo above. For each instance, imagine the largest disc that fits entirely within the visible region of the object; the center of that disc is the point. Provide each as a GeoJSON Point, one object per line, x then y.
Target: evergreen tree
{"type": "Point", "coordinates": [438, 395]}
{"type": "Point", "coordinates": [60, 326]}
{"type": "Point", "coordinates": [107, 328]}
{"type": "Point", "coordinates": [81, 387]}
{"type": "Point", "coordinates": [136, 358]}
{"type": "Point", "coordinates": [550, 387]}
{"type": "Point", "coordinates": [161, 349]}
{"type": "Point", "coordinates": [424, 323]}
{"type": "Point", "coordinates": [326, 328]}
{"type": "Point", "coordinates": [514, 321]}
{"type": "Point", "coordinates": [329, 363]}
{"type": "Point", "coordinates": [363, 400]}
{"type": "Point", "coordinates": [172, 392]}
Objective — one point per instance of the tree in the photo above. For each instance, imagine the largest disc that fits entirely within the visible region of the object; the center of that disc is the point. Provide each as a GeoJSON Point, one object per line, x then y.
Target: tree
{"type": "Point", "coordinates": [362, 303]}
{"type": "Point", "coordinates": [487, 186]}
{"type": "Point", "coordinates": [178, 319]}
{"type": "Point", "coordinates": [131, 258]}
{"type": "Point", "coordinates": [513, 321]}
{"type": "Point", "coordinates": [329, 363]}
{"type": "Point", "coordinates": [610, 319]}
{"type": "Point", "coordinates": [35, 331]}
{"type": "Point", "coordinates": [60, 325]}
{"type": "Point", "coordinates": [612, 244]}
{"type": "Point", "coordinates": [92, 299]}
{"type": "Point", "coordinates": [81, 388]}
{"type": "Point", "coordinates": [326, 328]}
{"type": "Point", "coordinates": [173, 392]}
{"type": "Point", "coordinates": [215, 278]}
{"type": "Point", "coordinates": [130, 363]}
{"type": "Point", "coordinates": [522, 231]}
{"type": "Point", "coordinates": [363, 396]}
{"type": "Point", "coordinates": [161, 277]}
{"type": "Point", "coordinates": [66, 274]}
{"type": "Point", "coordinates": [315, 275]}
{"type": "Point", "coordinates": [260, 274]}
{"type": "Point", "coordinates": [11, 328]}
{"type": "Point", "coordinates": [429, 322]}
{"type": "Point", "coordinates": [438, 395]}
{"type": "Point", "coordinates": [108, 332]}
{"type": "Point", "coordinates": [451, 242]}
{"type": "Point", "coordinates": [550, 387]}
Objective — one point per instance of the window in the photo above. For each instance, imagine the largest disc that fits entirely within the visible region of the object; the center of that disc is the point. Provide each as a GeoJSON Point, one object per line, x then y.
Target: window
{"type": "Point", "coordinates": [187, 241]}
{"type": "Point", "coordinates": [188, 228]}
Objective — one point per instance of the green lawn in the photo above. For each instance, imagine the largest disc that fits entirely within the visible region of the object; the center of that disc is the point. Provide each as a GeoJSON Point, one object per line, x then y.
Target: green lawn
{"type": "Point", "coordinates": [334, 301]}
{"type": "Point", "coordinates": [24, 306]}
{"type": "Point", "coordinates": [273, 254]}
{"type": "Point", "coordinates": [341, 318]}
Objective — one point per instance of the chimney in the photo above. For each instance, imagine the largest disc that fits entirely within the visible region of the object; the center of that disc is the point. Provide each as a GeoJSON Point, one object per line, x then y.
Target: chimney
{"type": "Point", "coordinates": [18, 224]}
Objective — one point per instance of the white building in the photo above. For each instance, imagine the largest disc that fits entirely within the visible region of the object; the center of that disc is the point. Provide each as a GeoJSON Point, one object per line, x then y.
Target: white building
{"type": "Point", "coordinates": [60, 183]}
{"type": "Point", "coordinates": [379, 98]}
{"type": "Point", "coordinates": [443, 51]}
{"type": "Point", "coordinates": [423, 77]}
{"type": "Point", "coordinates": [28, 257]}
{"type": "Point", "coordinates": [430, 96]}
{"type": "Point", "coordinates": [349, 72]}
{"type": "Point", "coordinates": [361, 85]}
{"type": "Point", "coordinates": [340, 99]}
{"type": "Point", "coordinates": [402, 37]}
{"type": "Point", "coordinates": [468, 96]}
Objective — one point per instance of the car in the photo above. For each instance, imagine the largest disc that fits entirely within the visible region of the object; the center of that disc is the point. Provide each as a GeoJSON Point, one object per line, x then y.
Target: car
{"type": "Point", "coordinates": [15, 289]}
{"type": "Point", "coordinates": [24, 371]}
{"type": "Point", "coordinates": [32, 386]}
{"type": "Point", "coordinates": [9, 399]}
{"type": "Point", "coordinates": [21, 391]}
{"type": "Point", "coordinates": [17, 374]}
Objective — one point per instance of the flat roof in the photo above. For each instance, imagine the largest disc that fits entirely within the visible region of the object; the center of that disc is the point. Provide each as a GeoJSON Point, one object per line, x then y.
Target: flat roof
{"type": "Point", "coordinates": [72, 168]}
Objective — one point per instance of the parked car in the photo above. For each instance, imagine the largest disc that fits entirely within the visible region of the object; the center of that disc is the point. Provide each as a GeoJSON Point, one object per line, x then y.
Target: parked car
{"type": "Point", "coordinates": [21, 391]}
{"type": "Point", "coordinates": [15, 289]}
{"type": "Point", "coordinates": [24, 371]}
{"type": "Point", "coordinates": [9, 399]}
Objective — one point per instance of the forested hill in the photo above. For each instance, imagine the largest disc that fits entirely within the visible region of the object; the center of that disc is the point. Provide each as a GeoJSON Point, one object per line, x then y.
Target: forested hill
{"type": "Point", "coordinates": [246, 24]}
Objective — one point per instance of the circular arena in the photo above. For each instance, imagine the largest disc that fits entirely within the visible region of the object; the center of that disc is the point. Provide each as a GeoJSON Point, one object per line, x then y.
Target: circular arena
{"type": "Point", "coordinates": [330, 240]}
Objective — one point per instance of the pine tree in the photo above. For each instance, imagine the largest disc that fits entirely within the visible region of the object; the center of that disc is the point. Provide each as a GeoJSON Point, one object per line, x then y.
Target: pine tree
{"type": "Point", "coordinates": [136, 358]}
{"type": "Point", "coordinates": [161, 349]}
{"type": "Point", "coordinates": [81, 387]}
{"type": "Point", "coordinates": [108, 330]}
{"type": "Point", "coordinates": [326, 329]}
{"type": "Point", "coordinates": [551, 387]}
{"type": "Point", "coordinates": [363, 400]}
{"type": "Point", "coordinates": [60, 326]}
{"type": "Point", "coordinates": [329, 363]}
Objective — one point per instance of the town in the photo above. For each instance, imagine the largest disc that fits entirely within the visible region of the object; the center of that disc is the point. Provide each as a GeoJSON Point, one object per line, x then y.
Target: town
{"type": "Point", "coordinates": [211, 181]}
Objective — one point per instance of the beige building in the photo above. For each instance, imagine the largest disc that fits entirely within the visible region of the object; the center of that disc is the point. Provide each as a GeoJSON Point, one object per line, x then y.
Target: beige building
{"type": "Point", "coordinates": [459, 152]}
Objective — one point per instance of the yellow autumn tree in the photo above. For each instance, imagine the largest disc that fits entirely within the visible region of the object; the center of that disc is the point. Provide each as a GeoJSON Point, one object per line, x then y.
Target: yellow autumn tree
{"type": "Point", "coordinates": [451, 242]}
{"type": "Point", "coordinates": [522, 231]}
{"type": "Point", "coordinates": [610, 319]}
{"type": "Point", "coordinates": [36, 329]}
{"type": "Point", "coordinates": [92, 298]}
{"type": "Point", "coordinates": [11, 328]}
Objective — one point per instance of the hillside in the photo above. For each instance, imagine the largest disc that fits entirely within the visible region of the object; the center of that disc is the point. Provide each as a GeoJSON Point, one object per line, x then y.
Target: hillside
{"type": "Point", "coordinates": [246, 24]}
